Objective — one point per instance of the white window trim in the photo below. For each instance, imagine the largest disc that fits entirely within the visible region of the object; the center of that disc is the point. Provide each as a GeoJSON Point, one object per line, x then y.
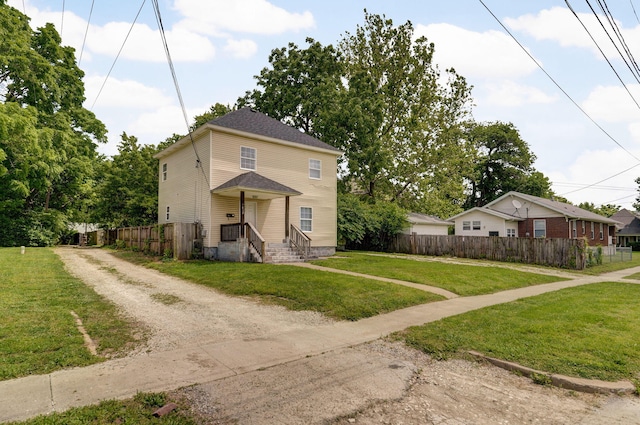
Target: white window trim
{"type": "Point", "coordinates": [476, 225]}
{"type": "Point", "coordinates": [593, 233]}
{"type": "Point", "coordinates": [164, 172]}
{"type": "Point", "coordinates": [601, 232]}
{"type": "Point", "coordinates": [167, 212]}
{"type": "Point", "coordinates": [511, 233]}
{"type": "Point", "coordinates": [466, 225]}
{"type": "Point", "coordinates": [545, 228]}
{"type": "Point", "coordinates": [310, 220]}
{"type": "Point", "coordinates": [254, 159]}
{"type": "Point", "coordinates": [318, 169]}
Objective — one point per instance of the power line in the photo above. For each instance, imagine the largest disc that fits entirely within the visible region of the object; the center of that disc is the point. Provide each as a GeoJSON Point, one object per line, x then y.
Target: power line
{"type": "Point", "coordinates": [612, 22]}
{"type": "Point", "coordinates": [634, 11]}
{"type": "Point", "coordinates": [156, 8]}
{"type": "Point", "coordinates": [86, 31]}
{"type": "Point", "coordinates": [602, 52]}
{"type": "Point", "coordinates": [62, 19]}
{"type": "Point", "coordinates": [118, 55]}
{"type": "Point", "coordinates": [601, 181]}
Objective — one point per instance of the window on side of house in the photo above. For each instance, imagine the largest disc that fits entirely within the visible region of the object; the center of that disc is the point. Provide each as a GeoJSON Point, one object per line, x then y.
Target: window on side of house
{"type": "Point", "coordinates": [539, 228]}
{"type": "Point", "coordinates": [601, 231]}
{"type": "Point", "coordinates": [315, 169]}
{"type": "Point", "coordinates": [306, 219]}
{"type": "Point", "coordinates": [167, 213]}
{"type": "Point", "coordinates": [575, 229]}
{"type": "Point", "coordinates": [466, 225]}
{"type": "Point", "coordinates": [164, 172]}
{"type": "Point", "coordinates": [584, 228]}
{"type": "Point", "coordinates": [511, 233]}
{"type": "Point", "coordinates": [248, 158]}
{"type": "Point", "coordinates": [476, 225]}
{"type": "Point", "coordinates": [593, 236]}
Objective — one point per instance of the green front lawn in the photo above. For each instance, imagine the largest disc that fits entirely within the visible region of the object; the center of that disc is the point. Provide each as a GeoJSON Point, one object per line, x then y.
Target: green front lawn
{"type": "Point", "coordinates": [335, 295]}
{"type": "Point", "coordinates": [461, 279]}
{"type": "Point", "coordinates": [38, 333]}
{"type": "Point", "coordinates": [591, 331]}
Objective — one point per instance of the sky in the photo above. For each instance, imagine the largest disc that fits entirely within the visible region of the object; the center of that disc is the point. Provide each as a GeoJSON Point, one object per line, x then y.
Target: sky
{"type": "Point", "coordinates": [549, 77]}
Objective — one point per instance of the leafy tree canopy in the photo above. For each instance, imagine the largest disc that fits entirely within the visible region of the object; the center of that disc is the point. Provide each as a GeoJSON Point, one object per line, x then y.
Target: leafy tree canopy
{"type": "Point", "coordinates": [379, 98]}
{"type": "Point", "coordinates": [47, 138]}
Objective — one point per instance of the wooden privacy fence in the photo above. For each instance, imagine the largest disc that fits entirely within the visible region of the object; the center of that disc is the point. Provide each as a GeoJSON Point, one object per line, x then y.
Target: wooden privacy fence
{"type": "Point", "coordinates": [172, 239]}
{"type": "Point", "coordinates": [556, 252]}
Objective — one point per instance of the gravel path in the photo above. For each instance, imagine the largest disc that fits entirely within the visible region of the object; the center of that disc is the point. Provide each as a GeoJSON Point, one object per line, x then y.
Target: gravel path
{"type": "Point", "coordinates": [191, 314]}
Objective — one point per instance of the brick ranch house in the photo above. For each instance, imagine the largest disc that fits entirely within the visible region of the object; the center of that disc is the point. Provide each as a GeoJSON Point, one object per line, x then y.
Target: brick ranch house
{"type": "Point", "coordinates": [516, 214]}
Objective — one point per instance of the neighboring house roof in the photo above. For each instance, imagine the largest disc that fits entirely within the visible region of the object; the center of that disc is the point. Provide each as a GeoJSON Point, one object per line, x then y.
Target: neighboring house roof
{"type": "Point", "coordinates": [568, 210]}
{"type": "Point", "coordinates": [417, 218]}
{"type": "Point", "coordinates": [248, 120]}
{"type": "Point", "coordinates": [629, 221]}
{"type": "Point", "coordinates": [254, 185]}
{"type": "Point", "coordinates": [489, 211]}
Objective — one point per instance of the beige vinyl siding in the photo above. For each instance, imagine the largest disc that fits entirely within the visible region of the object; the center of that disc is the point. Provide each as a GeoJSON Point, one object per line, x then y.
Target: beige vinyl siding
{"type": "Point", "coordinates": [527, 209]}
{"type": "Point", "coordinates": [488, 223]}
{"type": "Point", "coordinates": [185, 190]}
{"type": "Point", "coordinates": [288, 165]}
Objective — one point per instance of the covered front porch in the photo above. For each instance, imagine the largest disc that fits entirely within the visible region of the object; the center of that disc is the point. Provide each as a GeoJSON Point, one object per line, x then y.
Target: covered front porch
{"type": "Point", "coordinates": [242, 240]}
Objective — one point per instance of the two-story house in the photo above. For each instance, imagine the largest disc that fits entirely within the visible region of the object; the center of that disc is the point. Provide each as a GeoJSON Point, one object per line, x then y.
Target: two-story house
{"type": "Point", "coordinates": [251, 181]}
{"type": "Point", "coordinates": [516, 214]}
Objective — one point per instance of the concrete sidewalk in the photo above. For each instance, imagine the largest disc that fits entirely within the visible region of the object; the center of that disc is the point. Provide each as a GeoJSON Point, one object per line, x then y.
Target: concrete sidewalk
{"type": "Point", "coordinates": [161, 371]}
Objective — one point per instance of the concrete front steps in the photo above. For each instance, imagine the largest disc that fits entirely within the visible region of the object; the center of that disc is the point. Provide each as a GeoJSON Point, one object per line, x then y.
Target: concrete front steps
{"type": "Point", "coordinates": [281, 253]}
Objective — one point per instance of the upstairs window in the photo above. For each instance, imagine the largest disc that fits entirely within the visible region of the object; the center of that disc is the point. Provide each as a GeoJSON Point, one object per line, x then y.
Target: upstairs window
{"type": "Point", "coordinates": [539, 228]}
{"type": "Point", "coordinates": [315, 169]}
{"type": "Point", "coordinates": [164, 171]}
{"type": "Point", "coordinates": [247, 158]}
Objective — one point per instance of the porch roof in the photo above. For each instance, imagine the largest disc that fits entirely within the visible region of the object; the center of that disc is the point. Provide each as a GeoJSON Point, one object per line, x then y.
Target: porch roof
{"type": "Point", "coordinates": [254, 186]}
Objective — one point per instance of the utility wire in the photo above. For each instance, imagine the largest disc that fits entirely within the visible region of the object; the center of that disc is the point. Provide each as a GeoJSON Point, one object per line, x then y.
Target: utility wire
{"type": "Point", "coordinates": [602, 52]}
{"type": "Point", "coordinates": [177, 86]}
{"type": "Point", "coordinates": [566, 94]}
{"type": "Point", "coordinates": [117, 56]}
{"type": "Point", "coordinates": [86, 31]}
{"type": "Point", "coordinates": [62, 19]}
{"type": "Point", "coordinates": [607, 13]}
{"type": "Point", "coordinates": [634, 11]}
{"type": "Point", "coordinates": [601, 181]}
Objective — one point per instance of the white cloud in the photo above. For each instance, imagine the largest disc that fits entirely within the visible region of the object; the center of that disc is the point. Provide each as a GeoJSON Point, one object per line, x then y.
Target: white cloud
{"type": "Point", "coordinates": [590, 168]}
{"type": "Point", "coordinates": [560, 25]}
{"type": "Point", "coordinates": [144, 43]}
{"type": "Point", "coordinates": [215, 17]}
{"type": "Point", "coordinates": [161, 123]}
{"type": "Point", "coordinates": [489, 54]}
{"type": "Point", "coordinates": [613, 103]}
{"type": "Point", "coordinates": [241, 49]}
{"type": "Point", "coordinates": [123, 94]}
{"type": "Point", "coordinates": [509, 93]}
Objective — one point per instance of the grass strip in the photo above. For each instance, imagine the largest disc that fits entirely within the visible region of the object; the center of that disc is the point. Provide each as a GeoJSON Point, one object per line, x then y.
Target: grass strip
{"type": "Point", "coordinates": [461, 279]}
{"type": "Point", "coordinates": [38, 333]}
{"type": "Point", "coordinates": [137, 410]}
{"type": "Point", "coordinates": [591, 331]}
{"type": "Point", "coordinates": [336, 295]}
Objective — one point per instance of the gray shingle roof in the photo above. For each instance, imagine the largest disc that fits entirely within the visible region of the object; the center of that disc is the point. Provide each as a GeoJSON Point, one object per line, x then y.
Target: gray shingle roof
{"type": "Point", "coordinates": [629, 220]}
{"type": "Point", "coordinates": [254, 181]}
{"type": "Point", "coordinates": [252, 121]}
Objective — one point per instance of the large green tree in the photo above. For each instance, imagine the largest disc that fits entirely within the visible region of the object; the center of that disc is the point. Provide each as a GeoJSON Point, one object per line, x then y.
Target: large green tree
{"type": "Point", "coordinates": [128, 191]}
{"type": "Point", "coordinates": [380, 98]}
{"type": "Point", "coordinates": [47, 138]}
{"type": "Point", "coordinates": [503, 162]}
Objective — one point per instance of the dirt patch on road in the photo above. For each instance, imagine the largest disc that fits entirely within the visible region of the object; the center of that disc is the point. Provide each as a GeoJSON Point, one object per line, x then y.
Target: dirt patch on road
{"type": "Point", "coordinates": [377, 383]}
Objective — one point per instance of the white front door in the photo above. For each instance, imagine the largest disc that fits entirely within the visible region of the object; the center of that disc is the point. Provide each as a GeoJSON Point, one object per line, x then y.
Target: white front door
{"type": "Point", "coordinates": [251, 213]}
